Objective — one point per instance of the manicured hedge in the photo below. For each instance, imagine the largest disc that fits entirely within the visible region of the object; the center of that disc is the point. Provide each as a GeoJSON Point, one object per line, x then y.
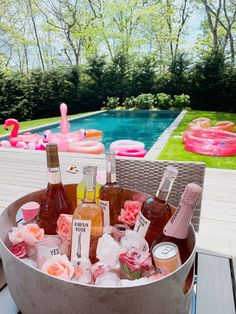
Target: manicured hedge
{"type": "Point", "coordinates": [210, 83]}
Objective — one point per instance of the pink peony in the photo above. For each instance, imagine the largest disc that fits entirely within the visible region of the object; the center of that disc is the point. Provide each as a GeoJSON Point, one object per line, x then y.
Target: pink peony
{"type": "Point", "coordinates": [129, 213]}
{"type": "Point", "coordinates": [136, 260]}
{"type": "Point", "coordinates": [59, 266]}
{"type": "Point", "coordinates": [19, 249]}
{"type": "Point", "coordinates": [64, 227]}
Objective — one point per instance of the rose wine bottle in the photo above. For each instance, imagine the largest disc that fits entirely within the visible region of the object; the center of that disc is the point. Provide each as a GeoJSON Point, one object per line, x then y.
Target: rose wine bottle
{"type": "Point", "coordinates": [177, 228]}
{"type": "Point", "coordinates": [55, 201]}
{"type": "Point", "coordinates": [87, 224]}
{"type": "Point", "coordinates": [155, 211]}
{"type": "Point", "coordinates": [111, 193]}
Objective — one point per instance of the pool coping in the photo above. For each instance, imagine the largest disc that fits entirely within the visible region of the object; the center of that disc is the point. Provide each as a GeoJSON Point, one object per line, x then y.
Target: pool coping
{"type": "Point", "coordinates": [158, 146]}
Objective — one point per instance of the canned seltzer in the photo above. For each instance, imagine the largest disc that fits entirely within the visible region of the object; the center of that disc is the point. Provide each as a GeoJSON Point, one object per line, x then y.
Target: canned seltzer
{"type": "Point", "coordinates": [166, 257]}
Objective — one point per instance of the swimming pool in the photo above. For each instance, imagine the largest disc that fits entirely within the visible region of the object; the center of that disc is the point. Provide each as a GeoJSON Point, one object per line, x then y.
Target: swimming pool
{"type": "Point", "coordinates": [144, 126]}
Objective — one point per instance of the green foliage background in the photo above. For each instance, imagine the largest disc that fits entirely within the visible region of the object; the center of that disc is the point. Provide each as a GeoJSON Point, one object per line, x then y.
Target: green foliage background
{"type": "Point", "coordinates": [210, 83]}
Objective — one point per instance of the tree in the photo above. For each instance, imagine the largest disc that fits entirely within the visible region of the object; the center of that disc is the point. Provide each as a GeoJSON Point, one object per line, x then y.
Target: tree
{"type": "Point", "coordinates": [221, 16]}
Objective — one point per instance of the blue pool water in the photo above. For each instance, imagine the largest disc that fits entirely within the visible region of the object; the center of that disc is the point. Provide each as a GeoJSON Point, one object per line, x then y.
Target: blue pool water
{"type": "Point", "coordinates": [143, 126]}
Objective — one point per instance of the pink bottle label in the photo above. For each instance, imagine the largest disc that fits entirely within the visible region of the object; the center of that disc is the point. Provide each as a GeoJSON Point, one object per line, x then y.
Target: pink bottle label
{"type": "Point", "coordinates": [178, 225]}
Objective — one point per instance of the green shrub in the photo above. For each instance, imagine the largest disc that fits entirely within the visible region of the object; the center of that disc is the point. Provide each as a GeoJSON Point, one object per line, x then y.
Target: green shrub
{"type": "Point", "coordinates": [112, 102]}
{"type": "Point", "coordinates": [129, 102]}
{"type": "Point", "coordinates": [181, 101]}
{"type": "Point", "coordinates": [163, 101]}
{"type": "Point", "coordinates": [144, 101]}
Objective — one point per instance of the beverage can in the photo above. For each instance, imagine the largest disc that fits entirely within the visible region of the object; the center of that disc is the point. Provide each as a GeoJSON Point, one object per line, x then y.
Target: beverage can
{"type": "Point", "coordinates": [166, 257]}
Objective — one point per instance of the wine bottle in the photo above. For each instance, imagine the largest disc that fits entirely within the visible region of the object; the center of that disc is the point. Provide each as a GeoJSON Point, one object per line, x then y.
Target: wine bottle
{"type": "Point", "coordinates": [177, 228]}
{"type": "Point", "coordinates": [110, 195]}
{"type": "Point", "coordinates": [55, 200]}
{"type": "Point", "coordinates": [155, 211]}
{"type": "Point", "coordinates": [87, 223]}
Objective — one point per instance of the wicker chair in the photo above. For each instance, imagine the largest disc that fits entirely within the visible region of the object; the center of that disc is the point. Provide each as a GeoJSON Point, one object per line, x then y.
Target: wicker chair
{"type": "Point", "coordinates": [146, 176]}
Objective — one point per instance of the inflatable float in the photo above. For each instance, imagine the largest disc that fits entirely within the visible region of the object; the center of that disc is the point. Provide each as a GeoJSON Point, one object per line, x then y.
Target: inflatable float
{"type": "Point", "coordinates": [217, 140]}
{"type": "Point", "coordinates": [210, 142]}
{"type": "Point", "coordinates": [128, 148]}
{"type": "Point", "coordinates": [65, 140]}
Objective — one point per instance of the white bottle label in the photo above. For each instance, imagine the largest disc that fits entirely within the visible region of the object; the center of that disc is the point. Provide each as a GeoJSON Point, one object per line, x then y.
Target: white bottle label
{"type": "Point", "coordinates": [106, 212]}
{"type": "Point", "coordinates": [81, 231]}
{"type": "Point", "coordinates": [142, 225]}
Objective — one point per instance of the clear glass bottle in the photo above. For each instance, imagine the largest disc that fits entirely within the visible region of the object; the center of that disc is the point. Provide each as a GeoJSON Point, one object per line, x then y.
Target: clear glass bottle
{"type": "Point", "coordinates": [155, 211]}
{"type": "Point", "coordinates": [177, 228]}
{"type": "Point", "coordinates": [87, 219]}
{"type": "Point", "coordinates": [110, 195]}
{"type": "Point", "coordinates": [55, 200]}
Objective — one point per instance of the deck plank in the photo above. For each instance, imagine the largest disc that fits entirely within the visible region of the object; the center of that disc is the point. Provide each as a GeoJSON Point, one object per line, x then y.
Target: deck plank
{"type": "Point", "coordinates": [2, 277]}
{"type": "Point", "coordinates": [214, 287]}
{"type": "Point", "coordinates": [7, 304]}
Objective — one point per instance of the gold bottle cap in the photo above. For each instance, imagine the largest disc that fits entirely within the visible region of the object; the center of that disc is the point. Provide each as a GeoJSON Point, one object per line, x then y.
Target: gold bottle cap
{"type": "Point", "coordinates": [52, 155]}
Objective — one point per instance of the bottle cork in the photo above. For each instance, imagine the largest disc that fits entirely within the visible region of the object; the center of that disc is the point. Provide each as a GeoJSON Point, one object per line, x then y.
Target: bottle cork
{"type": "Point", "coordinates": [52, 155]}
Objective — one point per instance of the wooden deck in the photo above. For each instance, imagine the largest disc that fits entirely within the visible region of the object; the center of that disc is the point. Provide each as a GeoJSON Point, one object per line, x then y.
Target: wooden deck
{"type": "Point", "coordinates": [24, 172]}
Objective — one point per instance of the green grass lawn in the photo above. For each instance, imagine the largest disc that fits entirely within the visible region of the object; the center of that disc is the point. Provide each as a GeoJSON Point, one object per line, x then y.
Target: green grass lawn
{"type": "Point", "coordinates": [174, 149]}
{"type": "Point", "coordinates": [34, 123]}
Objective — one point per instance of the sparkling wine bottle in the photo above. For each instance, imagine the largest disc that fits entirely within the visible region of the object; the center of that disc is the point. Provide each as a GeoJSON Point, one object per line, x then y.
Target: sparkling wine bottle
{"type": "Point", "coordinates": [155, 211]}
{"type": "Point", "coordinates": [87, 224]}
{"type": "Point", "coordinates": [111, 193]}
{"type": "Point", "coordinates": [55, 201]}
{"type": "Point", "coordinates": [177, 228]}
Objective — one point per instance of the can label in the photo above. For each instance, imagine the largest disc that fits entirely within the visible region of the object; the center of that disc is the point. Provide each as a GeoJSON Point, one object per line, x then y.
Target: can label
{"type": "Point", "coordinates": [81, 231]}
{"type": "Point", "coordinates": [106, 212]}
{"type": "Point", "coordinates": [142, 225]}
{"type": "Point", "coordinates": [166, 257]}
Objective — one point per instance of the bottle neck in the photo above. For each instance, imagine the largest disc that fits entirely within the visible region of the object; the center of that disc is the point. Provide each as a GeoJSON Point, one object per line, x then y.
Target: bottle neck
{"type": "Point", "coordinates": [111, 170]}
{"type": "Point", "coordinates": [165, 188]}
{"type": "Point", "coordinates": [54, 175]}
{"type": "Point", "coordinates": [89, 188]}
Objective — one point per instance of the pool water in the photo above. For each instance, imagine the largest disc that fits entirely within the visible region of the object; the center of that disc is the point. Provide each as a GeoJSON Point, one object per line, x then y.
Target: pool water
{"type": "Point", "coordinates": [143, 126]}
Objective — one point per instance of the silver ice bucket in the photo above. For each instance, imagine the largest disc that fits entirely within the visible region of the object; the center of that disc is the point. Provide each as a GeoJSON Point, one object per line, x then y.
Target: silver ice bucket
{"type": "Point", "coordinates": [35, 292]}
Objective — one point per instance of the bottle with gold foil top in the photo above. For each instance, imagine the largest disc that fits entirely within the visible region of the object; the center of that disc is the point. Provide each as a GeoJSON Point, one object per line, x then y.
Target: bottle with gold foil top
{"type": "Point", "coordinates": [55, 200]}
{"type": "Point", "coordinates": [87, 224]}
{"type": "Point", "coordinates": [156, 211]}
{"type": "Point", "coordinates": [177, 228]}
{"type": "Point", "coordinates": [110, 195]}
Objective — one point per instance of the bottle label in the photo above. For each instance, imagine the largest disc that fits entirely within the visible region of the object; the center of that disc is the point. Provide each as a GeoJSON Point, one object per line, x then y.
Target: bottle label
{"type": "Point", "coordinates": [106, 212]}
{"type": "Point", "coordinates": [142, 225]}
{"type": "Point", "coordinates": [81, 231]}
{"type": "Point", "coordinates": [54, 177]}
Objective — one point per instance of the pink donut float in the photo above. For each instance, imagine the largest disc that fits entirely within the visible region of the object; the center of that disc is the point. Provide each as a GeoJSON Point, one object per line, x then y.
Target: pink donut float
{"type": "Point", "coordinates": [86, 147]}
{"type": "Point", "coordinates": [201, 123]}
{"type": "Point", "coordinates": [210, 142]}
{"type": "Point", "coordinates": [132, 152]}
{"type": "Point", "coordinates": [116, 146]}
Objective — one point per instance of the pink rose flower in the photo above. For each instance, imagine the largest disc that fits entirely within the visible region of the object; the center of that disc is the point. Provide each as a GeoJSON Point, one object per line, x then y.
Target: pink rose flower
{"type": "Point", "coordinates": [64, 227]}
{"type": "Point", "coordinates": [32, 233]}
{"type": "Point", "coordinates": [19, 249]}
{"type": "Point", "coordinates": [26, 233]}
{"type": "Point", "coordinates": [129, 213]}
{"type": "Point", "coordinates": [59, 266]}
{"type": "Point", "coordinates": [136, 260]}
{"type": "Point", "coordinates": [16, 235]}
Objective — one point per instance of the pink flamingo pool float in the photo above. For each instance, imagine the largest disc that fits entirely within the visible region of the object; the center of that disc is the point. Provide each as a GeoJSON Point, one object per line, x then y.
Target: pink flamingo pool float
{"type": "Point", "coordinates": [215, 141]}
{"type": "Point", "coordinates": [66, 140]}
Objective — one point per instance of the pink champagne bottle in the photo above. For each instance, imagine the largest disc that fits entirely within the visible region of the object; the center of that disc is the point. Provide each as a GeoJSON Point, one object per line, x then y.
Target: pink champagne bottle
{"type": "Point", "coordinates": [177, 228]}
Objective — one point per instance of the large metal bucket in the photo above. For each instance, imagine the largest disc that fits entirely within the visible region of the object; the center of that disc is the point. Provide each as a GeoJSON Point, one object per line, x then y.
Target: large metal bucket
{"type": "Point", "coordinates": [37, 293]}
